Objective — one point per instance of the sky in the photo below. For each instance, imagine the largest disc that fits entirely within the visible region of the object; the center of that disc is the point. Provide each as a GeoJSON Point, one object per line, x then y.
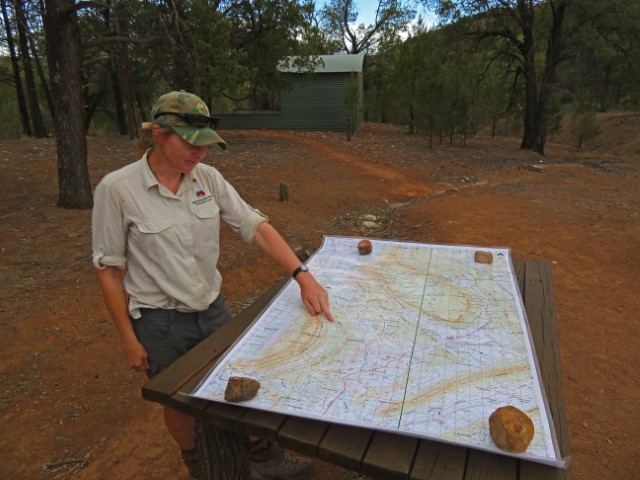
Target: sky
{"type": "Point", "coordinates": [367, 11]}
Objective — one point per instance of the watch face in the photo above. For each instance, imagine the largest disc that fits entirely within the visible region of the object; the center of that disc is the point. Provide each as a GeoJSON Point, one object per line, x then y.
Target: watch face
{"type": "Point", "coordinates": [304, 268]}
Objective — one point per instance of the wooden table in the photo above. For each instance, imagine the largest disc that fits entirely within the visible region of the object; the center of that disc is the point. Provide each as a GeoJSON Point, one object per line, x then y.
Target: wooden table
{"type": "Point", "coordinates": [378, 454]}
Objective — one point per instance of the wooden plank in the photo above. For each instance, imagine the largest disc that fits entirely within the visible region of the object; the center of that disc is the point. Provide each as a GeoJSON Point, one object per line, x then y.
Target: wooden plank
{"type": "Point", "coordinates": [192, 406]}
{"type": "Point", "coordinates": [225, 415]}
{"type": "Point", "coordinates": [302, 435]}
{"type": "Point", "coordinates": [439, 461]}
{"type": "Point", "coordinates": [490, 466]}
{"type": "Point", "coordinates": [245, 420]}
{"type": "Point", "coordinates": [536, 471]}
{"type": "Point", "coordinates": [345, 446]}
{"type": "Point", "coordinates": [540, 308]}
{"type": "Point", "coordinates": [390, 456]}
{"type": "Point", "coordinates": [198, 360]}
{"type": "Point", "coordinates": [518, 268]}
{"type": "Point", "coordinates": [263, 424]}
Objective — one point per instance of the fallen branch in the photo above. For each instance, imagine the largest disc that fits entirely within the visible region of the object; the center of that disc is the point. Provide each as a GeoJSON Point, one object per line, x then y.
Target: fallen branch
{"type": "Point", "coordinates": [78, 463]}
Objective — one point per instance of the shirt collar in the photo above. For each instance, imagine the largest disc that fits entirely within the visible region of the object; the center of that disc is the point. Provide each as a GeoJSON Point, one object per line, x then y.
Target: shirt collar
{"type": "Point", "coordinates": [149, 179]}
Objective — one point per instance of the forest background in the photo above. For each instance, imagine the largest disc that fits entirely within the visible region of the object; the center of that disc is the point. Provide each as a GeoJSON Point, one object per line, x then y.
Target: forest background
{"type": "Point", "coordinates": [516, 67]}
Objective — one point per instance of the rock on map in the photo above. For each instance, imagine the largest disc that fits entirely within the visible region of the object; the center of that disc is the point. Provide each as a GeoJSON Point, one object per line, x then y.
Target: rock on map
{"type": "Point", "coordinates": [426, 342]}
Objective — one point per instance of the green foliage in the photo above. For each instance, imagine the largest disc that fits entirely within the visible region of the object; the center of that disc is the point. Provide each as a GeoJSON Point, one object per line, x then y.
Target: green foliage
{"type": "Point", "coordinates": [443, 81]}
{"type": "Point", "coordinates": [584, 126]}
{"type": "Point", "coordinates": [555, 116]}
{"type": "Point", "coordinates": [9, 116]}
{"type": "Point", "coordinates": [436, 85]}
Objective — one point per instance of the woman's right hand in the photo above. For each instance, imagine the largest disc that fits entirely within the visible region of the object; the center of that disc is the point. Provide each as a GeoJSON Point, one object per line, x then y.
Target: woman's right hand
{"type": "Point", "coordinates": [136, 356]}
{"type": "Point", "coordinates": [116, 300]}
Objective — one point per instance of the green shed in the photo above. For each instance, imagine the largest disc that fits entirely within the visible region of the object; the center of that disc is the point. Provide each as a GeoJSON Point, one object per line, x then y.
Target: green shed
{"type": "Point", "coordinates": [328, 99]}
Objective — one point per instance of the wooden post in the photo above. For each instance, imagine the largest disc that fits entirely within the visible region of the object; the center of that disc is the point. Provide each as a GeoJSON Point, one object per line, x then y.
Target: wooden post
{"type": "Point", "coordinates": [224, 454]}
{"type": "Point", "coordinates": [284, 192]}
{"type": "Point", "coordinates": [349, 129]}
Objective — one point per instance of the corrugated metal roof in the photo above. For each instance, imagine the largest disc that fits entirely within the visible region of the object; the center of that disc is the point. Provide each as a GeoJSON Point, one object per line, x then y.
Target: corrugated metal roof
{"type": "Point", "coordinates": [327, 64]}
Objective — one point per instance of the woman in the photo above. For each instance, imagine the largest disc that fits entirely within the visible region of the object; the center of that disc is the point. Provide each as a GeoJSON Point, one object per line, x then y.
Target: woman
{"type": "Point", "coordinates": [156, 244]}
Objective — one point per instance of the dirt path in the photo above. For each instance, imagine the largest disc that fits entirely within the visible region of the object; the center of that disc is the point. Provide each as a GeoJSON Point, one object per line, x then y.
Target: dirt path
{"type": "Point", "coordinates": [67, 395]}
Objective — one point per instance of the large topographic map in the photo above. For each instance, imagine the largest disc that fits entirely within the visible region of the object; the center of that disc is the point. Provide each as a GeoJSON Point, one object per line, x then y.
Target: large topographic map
{"type": "Point", "coordinates": [426, 342]}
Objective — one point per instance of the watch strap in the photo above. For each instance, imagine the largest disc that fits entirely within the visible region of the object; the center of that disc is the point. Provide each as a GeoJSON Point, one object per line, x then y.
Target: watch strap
{"type": "Point", "coordinates": [301, 268]}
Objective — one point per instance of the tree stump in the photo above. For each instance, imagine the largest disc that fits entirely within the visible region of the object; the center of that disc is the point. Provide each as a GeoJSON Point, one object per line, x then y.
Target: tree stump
{"type": "Point", "coordinates": [224, 455]}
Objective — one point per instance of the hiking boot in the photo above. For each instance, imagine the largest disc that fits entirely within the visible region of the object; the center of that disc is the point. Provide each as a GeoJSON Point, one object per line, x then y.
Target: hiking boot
{"type": "Point", "coordinates": [263, 450]}
{"type": "Point", "coordinates": [192, 461]}
{"type": "Point", "coordinates": [285, 467]}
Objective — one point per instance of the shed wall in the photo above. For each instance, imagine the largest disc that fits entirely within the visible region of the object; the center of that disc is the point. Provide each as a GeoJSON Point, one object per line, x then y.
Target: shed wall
{"type": "Point", "coordinates": [316, 104]}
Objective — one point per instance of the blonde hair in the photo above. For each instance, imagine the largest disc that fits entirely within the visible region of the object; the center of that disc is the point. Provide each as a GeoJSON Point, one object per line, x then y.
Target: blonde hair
{"type": "Point", "coordinates": [147, 141]}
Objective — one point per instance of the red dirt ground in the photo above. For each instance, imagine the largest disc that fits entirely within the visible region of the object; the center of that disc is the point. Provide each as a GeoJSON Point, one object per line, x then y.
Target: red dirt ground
{"type": "Point", "coordinates": [67, 394]}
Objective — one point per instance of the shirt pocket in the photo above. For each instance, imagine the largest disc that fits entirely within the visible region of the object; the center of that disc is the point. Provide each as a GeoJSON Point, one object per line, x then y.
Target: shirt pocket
{"type": "Point", "coordinates": [155, 226]}
{"type": "Point", "coordinates": [153, 239]}
{"type": "Point", "coordinates": [207, 210]}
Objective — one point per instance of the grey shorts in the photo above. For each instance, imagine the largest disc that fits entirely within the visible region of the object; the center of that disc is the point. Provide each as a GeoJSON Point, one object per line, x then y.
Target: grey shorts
{"type": "Point", "coordinates": [166, 335]}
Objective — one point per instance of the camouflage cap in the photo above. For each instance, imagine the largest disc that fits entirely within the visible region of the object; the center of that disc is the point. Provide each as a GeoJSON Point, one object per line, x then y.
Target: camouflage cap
{"type": "Point", "coordinates": [188, 116]}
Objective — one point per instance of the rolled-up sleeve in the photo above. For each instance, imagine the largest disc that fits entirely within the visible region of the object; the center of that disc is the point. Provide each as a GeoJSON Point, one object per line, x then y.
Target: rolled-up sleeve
{"type": "Point", "coordinates": [109, 237]}
{"type": "Point", "coordinates": [250, 224]}
{"type": "Point", "coordinates": [235, 211]}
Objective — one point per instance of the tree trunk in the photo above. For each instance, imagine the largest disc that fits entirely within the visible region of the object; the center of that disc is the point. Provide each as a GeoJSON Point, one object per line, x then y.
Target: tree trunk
{"type": "Point", "coordinates": [182, 60]}
{"type": "Point", "coordinates": [32, 93]}
{"type": "Point", "coordinates": [537, 104]}
{"type": "Point", "coordinates": [412, 119]}
{"type": "Point", "coordinates": [527, 50]}
{"type": "Point", "coordinates": [142, 110]}
{"type": "Point", "coordinates": [22, 104]}
{"type": "Point", "coordinates": [117, 98]}
{"type": "Point", "coordinates": [554, 48]}
{"type": "Point", "coordinates": [41, 76]}
{"type": "Point", "coordinates": [91, 105]}
{"type": "Point", "coordinates": [65, 61]}
{"type": "Point", "coordinates": [125, 78]}
{"type": "Point", "coordinates": [113, 69]}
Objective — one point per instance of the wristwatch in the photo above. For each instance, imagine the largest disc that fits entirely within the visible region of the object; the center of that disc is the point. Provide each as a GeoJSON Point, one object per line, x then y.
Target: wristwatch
{"type": "Point", "coordinates": [301, 268]}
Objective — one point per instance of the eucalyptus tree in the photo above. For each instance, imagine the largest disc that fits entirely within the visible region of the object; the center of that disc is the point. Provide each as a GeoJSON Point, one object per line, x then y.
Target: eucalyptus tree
{"type": "Point", "coordinates": [64, 54]}
{"type": "Point", "coordinates": [416, 65]}
{"type": "Point", "coordinates": [629, 48]}
{"type": "Point", "coordinates": [219, 50]}
{"type": "Point", "coordinates": [531, 32]}
{"type": "Point", "coordinates": [121, 43]}
{"type": "Point", "coordinates": [225, 51]}
{"type": "Point", "coordinates": [9, 25]}
{"type": "Point", "coordinates": [340, 20]}
{"type": "Point", "coordinates": [606, 60]}
{"type": "Point", "coordinates": [436, 85]}
{"type": "Point", "coordinates": [25, 54]}
{"type": "Point", "coordinates": [261, 34]}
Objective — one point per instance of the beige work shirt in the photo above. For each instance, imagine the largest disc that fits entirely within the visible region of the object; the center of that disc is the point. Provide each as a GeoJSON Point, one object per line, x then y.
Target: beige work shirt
{"type": "Point", "coordinates": [168, 243]}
